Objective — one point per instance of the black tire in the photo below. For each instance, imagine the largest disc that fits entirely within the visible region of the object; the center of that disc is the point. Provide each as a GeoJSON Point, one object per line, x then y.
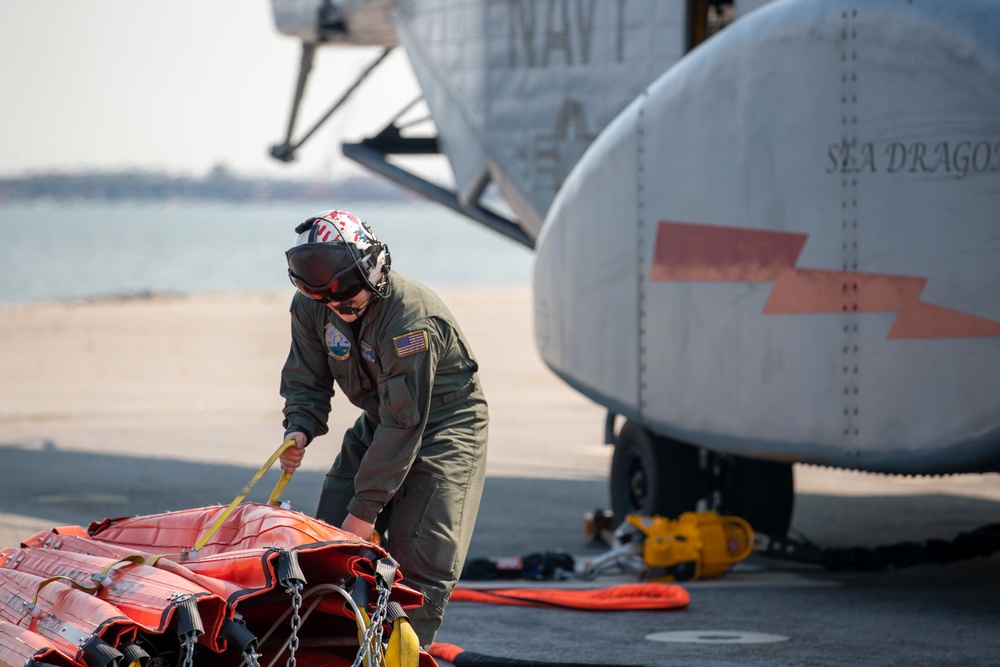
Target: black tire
{"type": "Point", "coordinates": [763, 493]}
{"type": "Point", "coordinates": [653, 475]}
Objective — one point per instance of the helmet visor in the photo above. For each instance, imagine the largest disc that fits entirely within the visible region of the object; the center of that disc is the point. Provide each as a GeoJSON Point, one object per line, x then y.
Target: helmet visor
{"type": "Point", "coordinates": [325, 272]}
{"type": "Point", "coordinates": [344, 287]}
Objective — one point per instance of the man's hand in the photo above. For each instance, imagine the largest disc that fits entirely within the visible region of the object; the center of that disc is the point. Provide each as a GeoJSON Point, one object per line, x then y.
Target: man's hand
{"type": "Point", "coordinates": [363, 529]}
{"type": "Point", "coordinates": [291, 458]}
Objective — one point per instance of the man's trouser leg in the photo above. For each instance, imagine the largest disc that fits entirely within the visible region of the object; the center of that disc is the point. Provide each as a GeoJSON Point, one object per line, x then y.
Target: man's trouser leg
{"type": "Point", "coordinates": [430, 528]}
{"type": "Point", "coordinates": [430, 519]}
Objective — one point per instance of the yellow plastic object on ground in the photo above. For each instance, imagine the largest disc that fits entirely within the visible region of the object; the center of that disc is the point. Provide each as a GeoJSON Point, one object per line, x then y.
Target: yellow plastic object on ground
{"type": "Point", "coordinates": [696, 545]}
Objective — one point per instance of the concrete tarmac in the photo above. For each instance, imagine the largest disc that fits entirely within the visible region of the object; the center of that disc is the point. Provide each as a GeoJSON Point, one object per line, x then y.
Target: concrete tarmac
{"type": "Point", "coordinates": [126, 408]}
{"type": "Point", "coordinates": [765, 612]}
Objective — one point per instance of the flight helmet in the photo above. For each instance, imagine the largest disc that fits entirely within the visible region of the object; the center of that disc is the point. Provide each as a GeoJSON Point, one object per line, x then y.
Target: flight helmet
{"type": "Point", "coordinates": [335, 256]}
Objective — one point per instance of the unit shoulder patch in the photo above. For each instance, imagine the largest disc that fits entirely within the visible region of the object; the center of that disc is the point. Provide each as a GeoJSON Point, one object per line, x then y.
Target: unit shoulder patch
{"type": "Point", "coordinates": [337, 344]}
{"type": "Point", "coordinates": [410, 343]}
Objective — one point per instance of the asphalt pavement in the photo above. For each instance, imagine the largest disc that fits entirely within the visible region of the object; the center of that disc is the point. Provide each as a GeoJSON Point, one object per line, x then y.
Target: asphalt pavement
{"type": "Point", "coordinates": [765, 612]}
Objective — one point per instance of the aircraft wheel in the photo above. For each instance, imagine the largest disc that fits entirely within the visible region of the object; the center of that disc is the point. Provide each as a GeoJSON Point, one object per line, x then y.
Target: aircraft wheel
{"type": "Point", "coordinates": [762, 492]}
{"type": "Point", "coordinates": [653, 475]}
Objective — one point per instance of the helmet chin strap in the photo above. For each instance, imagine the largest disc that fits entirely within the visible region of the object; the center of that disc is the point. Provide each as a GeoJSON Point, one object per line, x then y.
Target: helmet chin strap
{"type": "Point", "coordinates": [344, 309]}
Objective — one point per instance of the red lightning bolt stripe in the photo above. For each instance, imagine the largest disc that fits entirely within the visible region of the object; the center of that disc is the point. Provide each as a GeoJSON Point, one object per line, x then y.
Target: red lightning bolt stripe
{"type": "Point", "coordinates": [709, 253]}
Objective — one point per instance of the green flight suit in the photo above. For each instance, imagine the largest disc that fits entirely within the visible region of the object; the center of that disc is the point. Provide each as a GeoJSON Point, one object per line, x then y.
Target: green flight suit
{"type": "Point", "coordinates": [415, 461]}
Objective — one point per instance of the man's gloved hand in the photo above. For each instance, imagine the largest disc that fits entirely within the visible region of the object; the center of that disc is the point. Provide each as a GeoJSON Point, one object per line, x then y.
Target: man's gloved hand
{"type": "Point", "coordinates": [291, 458]}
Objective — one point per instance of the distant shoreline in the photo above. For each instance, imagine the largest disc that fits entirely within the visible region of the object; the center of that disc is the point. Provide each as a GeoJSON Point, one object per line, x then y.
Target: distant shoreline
{"type": "Point", "coordinates": [219, 185]}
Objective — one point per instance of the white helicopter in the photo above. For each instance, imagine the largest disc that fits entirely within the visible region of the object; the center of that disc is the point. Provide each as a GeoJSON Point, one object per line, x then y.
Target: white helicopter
{"type": "Point", "coordinates": [765, 232]}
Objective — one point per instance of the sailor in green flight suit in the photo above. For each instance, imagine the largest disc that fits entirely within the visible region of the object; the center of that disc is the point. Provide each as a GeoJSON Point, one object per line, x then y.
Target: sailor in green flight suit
{"type": "Point", "coordinates": [413, 465]}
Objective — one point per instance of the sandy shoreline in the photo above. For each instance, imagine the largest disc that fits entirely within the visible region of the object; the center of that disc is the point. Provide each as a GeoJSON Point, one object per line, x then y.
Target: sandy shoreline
{"type": "Point", "coordinates": [195, 378]}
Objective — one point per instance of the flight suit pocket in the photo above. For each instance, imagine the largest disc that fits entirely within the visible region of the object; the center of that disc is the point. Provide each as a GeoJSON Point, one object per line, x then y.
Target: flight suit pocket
{"type": "Point", "coordinates": [399, 408]}
{"type": "Point", "coordinates": [423, 529]}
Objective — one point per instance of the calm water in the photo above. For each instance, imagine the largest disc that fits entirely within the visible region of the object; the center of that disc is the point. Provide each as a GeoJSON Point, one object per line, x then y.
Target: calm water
{"type": "Point", "coordinates": [55, 251]}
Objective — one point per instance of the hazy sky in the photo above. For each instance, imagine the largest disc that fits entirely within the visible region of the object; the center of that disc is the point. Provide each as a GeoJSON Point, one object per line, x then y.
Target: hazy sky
{"type": "Point", "coordinates": [180, 86]}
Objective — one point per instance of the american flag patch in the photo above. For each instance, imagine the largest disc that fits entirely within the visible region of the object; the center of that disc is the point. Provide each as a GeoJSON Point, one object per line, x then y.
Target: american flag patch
{"type": "Point", "coordinates": [410, 343]}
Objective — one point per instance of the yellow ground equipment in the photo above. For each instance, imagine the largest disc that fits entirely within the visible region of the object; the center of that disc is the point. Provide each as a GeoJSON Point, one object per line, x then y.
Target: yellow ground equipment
{"type": "Point", "coordinates": [696, 545]}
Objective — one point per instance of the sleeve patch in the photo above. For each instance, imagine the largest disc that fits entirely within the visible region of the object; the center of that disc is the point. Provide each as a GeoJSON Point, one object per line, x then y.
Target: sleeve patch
{"type": "Point", "coordinates": [411, 343]}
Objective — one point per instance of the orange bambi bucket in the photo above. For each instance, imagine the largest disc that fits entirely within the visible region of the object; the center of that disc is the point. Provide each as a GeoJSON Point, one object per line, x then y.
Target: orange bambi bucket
{"type": "Point", "coordinates": [208, 586]}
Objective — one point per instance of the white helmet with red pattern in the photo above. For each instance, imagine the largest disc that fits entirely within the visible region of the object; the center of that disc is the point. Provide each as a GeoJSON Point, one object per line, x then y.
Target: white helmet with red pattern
{"type": "Point", "coordinates": [335, 255]}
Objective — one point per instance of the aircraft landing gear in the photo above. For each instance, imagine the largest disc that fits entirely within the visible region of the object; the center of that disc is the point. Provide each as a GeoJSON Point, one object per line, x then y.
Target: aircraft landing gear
{"type": "Point", "coordinates": [655, 475]}
{"type": "Point", "coordinates": [762, 492]}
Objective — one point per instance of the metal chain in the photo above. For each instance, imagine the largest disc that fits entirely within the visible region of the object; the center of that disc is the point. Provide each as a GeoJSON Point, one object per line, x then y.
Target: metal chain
{"type": "Point", "coordinates": [250, 658]}
{"type": "Point", "coordinates": [187, 650]}
{"type": "Point", "coordinates": [295, 589]}
{"type": "Point", "coordinates": [372, 650]}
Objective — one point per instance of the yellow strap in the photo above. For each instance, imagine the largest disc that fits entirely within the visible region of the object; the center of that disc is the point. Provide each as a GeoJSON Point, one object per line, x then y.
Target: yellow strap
{"type": "Point", "coordinates": [42, 584]}
{"type": "Point", "coordinates": [134, 559]}
{"type": "Point", "coordinates": [69, 582]}
{"type": "Point", "coordinates": [274, 499]}
{"type": "Point", "coordinates": [279, 487]}
{"type": "Point", "coordinates": [403, 649]}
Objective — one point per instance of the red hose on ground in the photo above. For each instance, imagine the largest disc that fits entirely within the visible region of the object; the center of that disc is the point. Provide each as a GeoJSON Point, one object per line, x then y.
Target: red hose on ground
{"type": "Point", "coordinates": [624, 597]}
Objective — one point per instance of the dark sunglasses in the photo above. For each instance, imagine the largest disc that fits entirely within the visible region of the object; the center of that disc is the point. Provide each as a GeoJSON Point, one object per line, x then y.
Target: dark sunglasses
{"type": "Point", "coordinates": [344, 286]}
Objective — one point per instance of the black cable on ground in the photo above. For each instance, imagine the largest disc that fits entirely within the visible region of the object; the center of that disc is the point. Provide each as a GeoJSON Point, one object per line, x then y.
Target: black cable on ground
{"type": "Point", "coordinates": [462, 658]}
{"type": "Point", "coordinates": [980, 542]}
{"type": "Point", "coordinates": [466, 659]}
